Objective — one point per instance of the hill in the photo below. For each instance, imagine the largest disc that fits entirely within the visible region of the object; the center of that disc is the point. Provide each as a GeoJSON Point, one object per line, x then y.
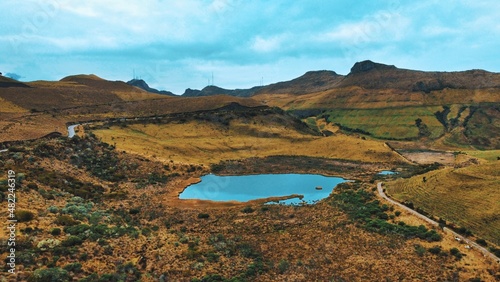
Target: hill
{"type": "Point", "coordinates": [467, 196]}
{"type": "Point", "coordinates": [458, 108]}
{"type": "Point", "coordinates": [144, 86]}
{"type": "Point", "coordinates": [310, 82]}
{"type": "Point", "coordinates": [367, 75]}
{"type": "Point", "coordinates": [9, 82]}
{"type": "Point", "coordinates": [215, 90]}
{"type": "Point", "coordinates": [370, 75]}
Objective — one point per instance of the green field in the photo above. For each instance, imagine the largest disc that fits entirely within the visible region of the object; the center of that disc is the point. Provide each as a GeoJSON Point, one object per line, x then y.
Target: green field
{"type": "Point", "coordinates": [467, 197]}
{"type": "Point", "coordinates": [396, 123]}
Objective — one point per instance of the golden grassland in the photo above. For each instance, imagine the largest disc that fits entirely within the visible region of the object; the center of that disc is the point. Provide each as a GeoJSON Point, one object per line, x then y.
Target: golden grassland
{"type": "Point", "coordinates": [9, 107]}
{"type": "Point", "coordinates": [27, 125]}
{"type": "Point", "coordinates": [389, 122]}
{"type": "Point", "coordinates": [205, 143]}
{"type": "Point", "coordinates": [489, 155]}
{"type": "Point", "coordinates": [465, 196]}
{"type": "Point", "coordinates": [311, 243]}
{"type": "Point", "coordinates": [355, 97]}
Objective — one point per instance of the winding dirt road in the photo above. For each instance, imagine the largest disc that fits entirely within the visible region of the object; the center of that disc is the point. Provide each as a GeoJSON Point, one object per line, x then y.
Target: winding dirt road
{"type": "Point", "coordinates": [473, 244]}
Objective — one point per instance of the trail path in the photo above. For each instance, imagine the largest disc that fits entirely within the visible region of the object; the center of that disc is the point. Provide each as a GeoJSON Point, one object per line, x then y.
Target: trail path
{"type": "Point", "coordinates": [473, 244]}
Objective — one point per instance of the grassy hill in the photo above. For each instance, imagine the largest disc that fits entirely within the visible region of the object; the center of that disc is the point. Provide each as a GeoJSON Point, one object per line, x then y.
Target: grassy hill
{"type": "Point", "coordinates": [89, 210]}
{"type": "Point", "coordinates": [210, 137]}
{"type": "Point", "coordinates": [467, 197]}
{"type": "Point", "coordinates": [461, 108]}
{"type": "Point", "coordinates": [9, 82]}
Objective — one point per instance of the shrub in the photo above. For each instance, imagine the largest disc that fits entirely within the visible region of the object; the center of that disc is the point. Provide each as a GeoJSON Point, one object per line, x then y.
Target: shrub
{"type": "Point", "coordinates": [247, 209]}
{"type": "Point", "coordinates": [73, 267]}
{"type": "Point", "coordinates": [203, 215]}
{"type": "Point", "coordinates": [134, 211]}
{"type": "Point", "coordinates": [482, 242]}
{"type": "Point", "coordinates": [72, 241]}
{"type": "Point", "coordinates": [436, 250]}
{"type": "Point", "coordinates": [76, 229]}
{"type": "Point", "coordinates": [397, 213]}
{"type": "Point", "coordinates": [55, 231]}
{"type": "Point", "coordinates": [49, 274]}
{"type": "Point", "coordinates": [53, 209]}
{"type": "Point", "coordinates": [94, 277]}
{"type": "Point", "coordinates": [146, 231]}
{"type": "Point", "coordinates": [65, 220]}
{"type": "Point", "coordinates": [456, 253]}
{"type": "Point", "coordinates": [212, 256]}
{"type": "Point", "coordinates": [48, 244]}
{"type": "Point", "coordinates": [283, 266]}
{"type": "Point", "coordinates": [24, 216]}
{"type": "Point", "coordinates": [420, 250]}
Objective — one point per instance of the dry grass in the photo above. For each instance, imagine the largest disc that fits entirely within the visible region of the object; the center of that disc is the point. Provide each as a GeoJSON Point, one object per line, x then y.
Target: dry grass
{"type": "Point", "coordinates": [202, 142]}
{"type": "Point", "coordinates": [9, 107]}
{"type": "Point", "coordinates": [358, 98]}
{"type": "Point", "coordinates": [467, 196]}
{"type": "Point", "coordinates": [489, 155]}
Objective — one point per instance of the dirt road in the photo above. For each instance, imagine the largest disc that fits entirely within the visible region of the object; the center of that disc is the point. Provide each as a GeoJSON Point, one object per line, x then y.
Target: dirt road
{"type": "Point", "coordinates": [473, 244]}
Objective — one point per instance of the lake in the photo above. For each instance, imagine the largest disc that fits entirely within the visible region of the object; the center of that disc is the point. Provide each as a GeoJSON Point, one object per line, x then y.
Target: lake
{"type": "Point", "coordinates": [387, 172]}
{"type": "Point", "coordinates": [243, 188]}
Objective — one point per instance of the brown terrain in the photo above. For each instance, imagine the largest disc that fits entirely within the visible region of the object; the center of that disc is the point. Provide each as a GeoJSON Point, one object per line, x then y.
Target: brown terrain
{"type": "Point", "coordinates": [104, 206]}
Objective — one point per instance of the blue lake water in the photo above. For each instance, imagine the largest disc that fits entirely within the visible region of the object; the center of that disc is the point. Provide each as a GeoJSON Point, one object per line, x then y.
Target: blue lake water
{"type": "Point", "coordinates": [244, 188]}
{"type": "Point", "coordinates": [387, 172]}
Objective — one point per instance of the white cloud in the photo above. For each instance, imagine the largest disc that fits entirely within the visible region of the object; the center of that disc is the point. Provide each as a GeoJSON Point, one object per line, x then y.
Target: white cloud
{"type": "Point", "coordinates": [269, 44]}
{"type": "Point", "coordinates": [380, 27]}
{"type": "Point", "coordinates": [438, 30]}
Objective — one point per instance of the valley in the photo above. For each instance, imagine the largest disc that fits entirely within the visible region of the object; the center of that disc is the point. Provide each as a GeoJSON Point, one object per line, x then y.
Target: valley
{"type": "Point", "coordinates": [104, 205]}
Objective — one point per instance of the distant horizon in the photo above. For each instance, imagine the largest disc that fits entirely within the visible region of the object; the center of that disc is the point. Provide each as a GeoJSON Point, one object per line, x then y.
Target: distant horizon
{"type": "Point", "coordinates": [227, 88]}
{"type": "Point", "coordinates": [175, 45]}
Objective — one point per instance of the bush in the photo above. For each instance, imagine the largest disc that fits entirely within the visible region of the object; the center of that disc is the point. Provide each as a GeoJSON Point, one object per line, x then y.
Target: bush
{"type": "Point", "coordinates": [24, 216]}
{"type": "Point", "coordinates": [456, 253]}
{"type": "Point", "coordinates": [76, 229]}
{"type": "Point", "coordinates": [203, 215]}
{"type": "Point", "coordinates": [65, 220]}
{"type": "Point", "coordinates": [53, 209]}
{"type": "Point", "coordinates": [436, 250]}
{"type": "Point", "coordinates": [72, 241]}
{"type": "Point", "coordinates": [91, 278]}
{"type": "Point", "coordinates": [212, 256]}
{"type": "Point", "coordinates": [49, 275]}
{"type": "Point", "coordinates": [482, 242]}
{"type": "Point", "coordinates": [146, 231]}
{"type": "Point", "coordinates": [134, 211]}
{"type": "Point", "coordinates": [420, 250]}
{"type": "Point", "coordinates": [283, 266]}
{"type": "Point", "coordinates": [48, 244]}
{"type": "Point", "coordinates": [73, 267]}
{"type": "Point", "coordinates": [247, 209]}
{"type": "Point", "coordinates": [55, 231]}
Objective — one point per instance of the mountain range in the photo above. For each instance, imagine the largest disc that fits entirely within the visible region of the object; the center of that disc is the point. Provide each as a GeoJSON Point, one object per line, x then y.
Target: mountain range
{"type": "Point", "coordinates": [461, 108]}
{"type": "Point", "coordinates": [368, 75]}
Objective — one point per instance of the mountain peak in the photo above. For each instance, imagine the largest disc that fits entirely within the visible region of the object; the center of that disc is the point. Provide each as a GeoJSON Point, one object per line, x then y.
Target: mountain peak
{"type": "Point", "coordinates": [368, 65]}
{"type": "Point", "coordinates": [140, 83]}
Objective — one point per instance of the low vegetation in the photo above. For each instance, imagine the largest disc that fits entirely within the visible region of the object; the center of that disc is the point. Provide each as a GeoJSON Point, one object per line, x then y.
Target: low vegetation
{"type": "Point", "coordinates": [364, 209]}
{"type": "Point", "coordinates": [464, 197]}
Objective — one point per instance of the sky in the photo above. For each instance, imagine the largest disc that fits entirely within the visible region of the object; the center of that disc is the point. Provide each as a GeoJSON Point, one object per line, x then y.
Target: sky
{"type": "Point", "coordinates": [174, 45]}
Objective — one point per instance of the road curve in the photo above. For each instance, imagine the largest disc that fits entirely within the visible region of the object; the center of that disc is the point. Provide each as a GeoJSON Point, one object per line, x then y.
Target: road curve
{"type": "Point", "coordinates": [473, 244]}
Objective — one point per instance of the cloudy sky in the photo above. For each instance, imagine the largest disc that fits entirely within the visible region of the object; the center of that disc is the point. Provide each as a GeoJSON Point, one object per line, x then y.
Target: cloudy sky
{"type": "Point", "coordinates": [174, 45]}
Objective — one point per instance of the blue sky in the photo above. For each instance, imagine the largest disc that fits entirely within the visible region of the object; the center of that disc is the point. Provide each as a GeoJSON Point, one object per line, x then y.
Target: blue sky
{"type": "Point", "coordinates": [174, 45]}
